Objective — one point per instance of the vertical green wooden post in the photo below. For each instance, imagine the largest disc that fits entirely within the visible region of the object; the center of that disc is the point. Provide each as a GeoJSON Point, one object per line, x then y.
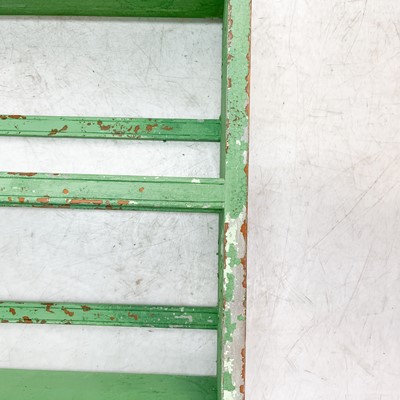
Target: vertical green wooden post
{"type": "Point", "coordinates": [233, 226]}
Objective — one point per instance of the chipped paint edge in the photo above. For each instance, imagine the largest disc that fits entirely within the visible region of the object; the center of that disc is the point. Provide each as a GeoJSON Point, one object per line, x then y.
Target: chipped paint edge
{"type": "Point", "coordinates": [234, 169]}
{"type": "Point", "coordinates": [110, 128]}
{"type": "Point", "coordinates": [123, 315]}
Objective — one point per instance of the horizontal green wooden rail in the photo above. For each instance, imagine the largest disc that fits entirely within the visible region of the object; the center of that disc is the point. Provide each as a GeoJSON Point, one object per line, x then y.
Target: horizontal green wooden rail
{"type": "Point", "coordinates": [111, 128]}
{"type": "Point", "coordinates": [115, 8]}
{"type": "Point", "coordinates": [54, 385]}
{"type": "Point", "coordinates": [109, 315]}
{"type": "Point", "coordinates": [111, 192]}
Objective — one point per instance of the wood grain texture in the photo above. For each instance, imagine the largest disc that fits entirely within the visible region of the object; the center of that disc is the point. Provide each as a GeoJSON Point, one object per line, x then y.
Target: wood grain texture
{"type": "Point", "coordinates": [44, 385]}
{"type": "Point", "coordinates": [115, 8]}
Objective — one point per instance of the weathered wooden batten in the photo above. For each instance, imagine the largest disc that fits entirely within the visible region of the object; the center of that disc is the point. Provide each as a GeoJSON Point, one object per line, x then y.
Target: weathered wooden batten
{"type": "Point", "coordinates": [226, 195]}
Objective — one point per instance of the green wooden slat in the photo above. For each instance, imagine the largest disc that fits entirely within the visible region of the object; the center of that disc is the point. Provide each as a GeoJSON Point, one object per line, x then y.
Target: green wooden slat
{"type": "Point", "coordinates": [227, 195]}
{"type": "Point", "coordinates": [109, 315]}
{"type": "Point", "coordinates": [233, 222]}
{"type": "Point", "coordinates": [111, 128]}
{"type": "Point", "coordinates": [115, 8]}
{"type": "Point", "coordinates": [46, 385]}
{"type": "Point", "coordinates": [111, 192]}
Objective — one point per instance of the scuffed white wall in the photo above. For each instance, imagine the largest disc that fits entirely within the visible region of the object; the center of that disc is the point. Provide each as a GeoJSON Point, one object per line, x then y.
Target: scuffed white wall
{"type": "Point", "coordinates": [324, 274]}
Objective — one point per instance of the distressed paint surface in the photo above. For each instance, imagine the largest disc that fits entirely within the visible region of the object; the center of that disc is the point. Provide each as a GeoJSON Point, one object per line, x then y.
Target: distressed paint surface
{"type": "Point", "coordinates": [111, 128]}
{"type": "Point", "coordinates": [115, 8]}
{"type": "Point", "coordinates": [109, 315]}
{"type": "Point", "coordinates": [227, 195]}
{"type": "Point", "coordinates": [234, 164]}
{"type": "Point", "coordinates": [46, 385]}
{"type": "Point", "coordinates": [25, 189]}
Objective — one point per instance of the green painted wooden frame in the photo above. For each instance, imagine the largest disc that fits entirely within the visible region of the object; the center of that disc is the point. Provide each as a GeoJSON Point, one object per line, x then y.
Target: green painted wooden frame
{"type": "Point", "coordinates": [226, 196]}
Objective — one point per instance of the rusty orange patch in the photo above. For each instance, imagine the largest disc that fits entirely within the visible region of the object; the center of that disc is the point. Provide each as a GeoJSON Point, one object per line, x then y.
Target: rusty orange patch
{"type": "Point", "coordinates": [149, 128]}
{"type": "Point", "coordinates": [55, 131]}
{"type": "Point", "coordinates": [103, 127]}
{"type": "Point", "coordinates": [87, 201]}
{"type": "Point", "coordinates": [22, 173]}
{"type": "Point", "coordinates": [243, 229]}
{"type": "Point", "coordinates": [134, 316]}
{"type": "Point", "coordinates": [48, 307]}
{"type": "Point", "coordinates": [67, 312]}
{"type": "Point", "coordinates": [12, 116]}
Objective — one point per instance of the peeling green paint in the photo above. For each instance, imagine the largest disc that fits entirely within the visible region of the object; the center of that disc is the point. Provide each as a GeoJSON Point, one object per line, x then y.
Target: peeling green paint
{"type": "Point", "coordinates": [111, 128]}
{"type": "Point", "coordinates": [228, 380]}
{"type": "Point", "coordinates": [27, 189]}
{"type": "Point", "coordinates": [234, 168]}
{"type": "Point", "coordinates": [230, 327]}
{"type": "Point", "coordinates": [230, 287]}
{"type": "Point", "coordinates": [226, 195]}
{"type": "Point", "coordinates": [109, 315]}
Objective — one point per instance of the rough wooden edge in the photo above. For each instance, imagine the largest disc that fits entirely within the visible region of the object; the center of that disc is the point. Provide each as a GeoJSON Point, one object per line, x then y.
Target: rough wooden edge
{"type": "Point", "coordinates": [234, 164]}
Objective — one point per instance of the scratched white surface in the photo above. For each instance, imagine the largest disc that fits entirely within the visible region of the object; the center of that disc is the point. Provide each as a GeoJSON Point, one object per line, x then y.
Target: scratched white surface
{"type": "Point", "coordinates": [109, 68]}
{"type": "Point", "coordinates": [324, 274]}
{"type": "Point", "coordinates": [324, 246]}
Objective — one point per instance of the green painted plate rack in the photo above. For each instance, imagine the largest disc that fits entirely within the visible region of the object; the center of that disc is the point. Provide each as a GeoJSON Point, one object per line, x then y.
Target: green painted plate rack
{"type": "Point", "coordinates": [226, 195]}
